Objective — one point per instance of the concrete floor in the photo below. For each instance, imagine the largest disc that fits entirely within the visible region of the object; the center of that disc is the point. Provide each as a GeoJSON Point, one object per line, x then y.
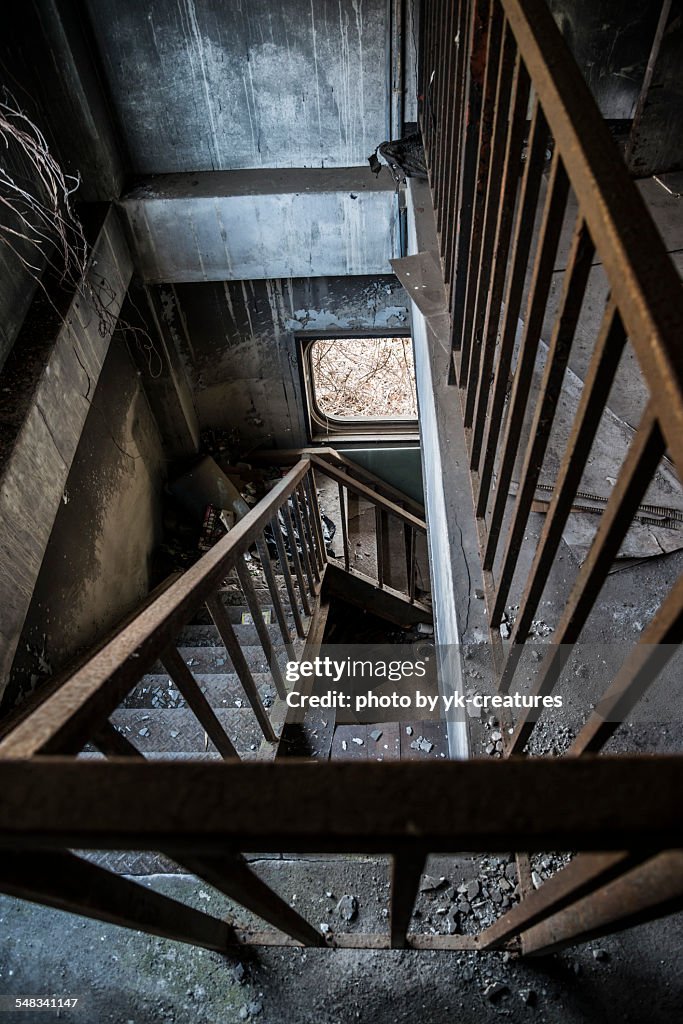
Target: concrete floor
{"type": "Point", "coordinates": [122, 976]}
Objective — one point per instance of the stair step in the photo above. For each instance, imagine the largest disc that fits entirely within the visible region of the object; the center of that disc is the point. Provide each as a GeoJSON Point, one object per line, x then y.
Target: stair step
{"type": "Point", "coordinates": [222, 689]}
{"type": "Point", "coordinates": [213, 658]}
{"type": "Point", "coordinates": [174, 730]}
{"type": "Point", "coordinates": [204, 634]}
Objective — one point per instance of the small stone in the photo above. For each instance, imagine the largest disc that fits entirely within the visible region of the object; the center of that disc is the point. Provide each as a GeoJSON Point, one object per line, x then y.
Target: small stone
{"type": "Point", "coordinates": [536, 880]}
{"type": "Point", "coordinates": [431, 884]}
{"type": "Point", "coordinates": [490, 748]}
{"type": "Point", "coordinates": [528, 996]}
{"type": "Point", "coordinates": [174, 734]}
{"type": "Point", "coordinates": [504, 631]}
{"type": "Point", "coordinates": [472, 890]}
{"type": "Point", "coordinates": [255, 1008]}
{"type": "Point", "coordinates": [345, 745]}
{"type": "Point", "coordinates": [239, 974]}
{"type": "Point", "coordinates": [357, 740]}
{"type": "Point", "coordinates": [325, 927]}
{"type": "Point", "coordinates": [495, 991]}
{"type": "Point", "coordinates": [144, 732]}
{"type": "Point", "coordinates": [376, 735]}
{"type": "Point", "coordinates": [409, 730]}
{"type": "Point", "coordinates": [347, 908]}
{"type": "Point", "coordinates": [600, 954]}
{"type": "Point", "coordinates": [496, 735]}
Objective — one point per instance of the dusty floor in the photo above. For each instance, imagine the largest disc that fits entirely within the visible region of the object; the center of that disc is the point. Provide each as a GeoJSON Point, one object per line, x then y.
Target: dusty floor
{"type": "Point", "coordinates": [123, 976]}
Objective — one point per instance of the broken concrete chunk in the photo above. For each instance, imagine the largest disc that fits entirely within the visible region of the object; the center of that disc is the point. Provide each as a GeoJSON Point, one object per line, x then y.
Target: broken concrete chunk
{"type": "Point", "coordinates": [347, 908]}
{"type": "Point", "coordinates": [376, 735]}
{"type": "Point", "coordinates": [472, 889]}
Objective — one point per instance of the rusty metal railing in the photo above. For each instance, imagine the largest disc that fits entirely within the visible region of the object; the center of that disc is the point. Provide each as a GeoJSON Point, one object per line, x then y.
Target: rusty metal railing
{"type": "Point", "coordinates": [505, 102]}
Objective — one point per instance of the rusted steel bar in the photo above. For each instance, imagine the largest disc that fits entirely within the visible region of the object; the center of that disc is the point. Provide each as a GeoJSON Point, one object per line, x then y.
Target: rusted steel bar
{"type": "Point", "coordinates": [446, 110]}
{"type": "Point", "coordinates": [478, 391]}
{"type": "Point", "coordinates": [66, 720]}
{"type": "Point", "coordinates": [549, 237]}
{"type": "Point", "coordinates": [582, 804]}
{"type": "Point", "coordinates": [496, 58]}
{"type": "Point", "coordinates": [583, 875]}
{"type": "Point", "coordinates": [647, 892]}
{"type": "Point", "coordinates": [231, 875]}
{"type": "Point", "coordinates": [264, 555]}
{"type": "Point", "coordinates": [599, 378]}
{"type": "Point", "coordinates": [363, 491]}
{"type": "Point", "coordinates": [474, 73]}
{"type": "Point", "coordinates": [456, 139]}
{"type": "Point", "coordinates": [643, 280]}
{"type": "Point", "coordinates": [304, 541]}
{"type": "Point", "coordinates": [406, 871]}
{"type": "Point", "coordinates": [287, 575]}
{"type": "Point", "coordinates": [639, 466]}
{"type": "Point", "coordinates": [412, 566]}
{"type": "Point", "coordinates": [521, 246]}
{"type": "Point", "coordinates": [657, 644]}
{"type": "Point", "coordinates": [239, 663]}
{"type": "Point", "coordinates": [296, 561]}
{"type": "Point", "coordinates": [439, 93]}
{"type": "Point", "coordinates": [113, 743]}
{"type": "Point", "coordinates": [344, 526]}
{"type": "Point", "coordinates": [251, 597]}
{"type": "Point", "coordinates": [66, 882]}
{"type": "Point", "coordinates": [314, 505]}
{"type": "Point", "coordinates": [308, 532]}
{"type": "Point", "coordinates": [379, 545]}
{"type": "Point", "coordinates": [197, 702]}
{"type": "Point", "coordinates": [512, 87]}
{"type": "Point", "coordinates": [564, 327]}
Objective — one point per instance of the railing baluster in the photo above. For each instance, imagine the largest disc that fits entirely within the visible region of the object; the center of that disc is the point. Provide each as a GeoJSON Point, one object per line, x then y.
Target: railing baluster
{"type": "Point", "coordinates": [549, 237]}
{"type": "Point", "coordinates": [657, 644]}
{"type": "Point", "coordinates": [344, 526]}
{"type": "Point", "coordinates": [379, 545]}
{"type": "Point", "coordinates": [492, 68]}
{"type": "Point", "coordinates": [113, 743]}
{"type": "Point", "coordinates": [251, 596]}
{"type": "Point", "coordinates": [521, 245]}
{"type": "Point", "coordinates": [197, 702]}
{"type": "Point", "coordinates": [264, 555]}
{"type": "Point", "coordinates": [576, 279]}
{"type": "Point", "coordinates": [291, 538]}
{"type": "Point", "coordinates": [310, 544]}
{"type": "Point", "coordinates": [478, 390]}
{"type": "Point", "coordinates": [640, 465]}
{"type": "Point", "coordinates": [67, 882]}
{"type": "Point", "coordinates": [239, 663]}
{"type": "Point", "coordinates": [512, 86]}
{"type": "Point", "coordinates": [599, 378]}
{"type": "Point", "coordinates": [305, 552]}
{"type": "Point", "coordinates": [645, 893]}
{"type": "Point", "coordinates": [287, 575]}
{"type": "Point", "coordinates": [406, 871]}
{"type": "Point", "coordinates": [412, 561]}
{"type": "Point", "coordinates": [231, 875]}
{"type": "Point", "coordinates": [583, 875]}
{"type": "Point", "coordinates": [312, 494]}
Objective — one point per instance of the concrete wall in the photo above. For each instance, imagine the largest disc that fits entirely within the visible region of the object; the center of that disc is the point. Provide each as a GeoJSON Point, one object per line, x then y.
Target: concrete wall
{"type": "Point", "coordinates": [97, 563]}
{"type": "Point", "coordinates": [238, 343]}
{"type": "Point", "coordinates": [213, 86]}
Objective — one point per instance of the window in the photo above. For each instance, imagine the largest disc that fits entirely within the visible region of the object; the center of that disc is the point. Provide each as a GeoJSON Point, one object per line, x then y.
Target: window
{"type": "Point", "coordinates": [360, 386]}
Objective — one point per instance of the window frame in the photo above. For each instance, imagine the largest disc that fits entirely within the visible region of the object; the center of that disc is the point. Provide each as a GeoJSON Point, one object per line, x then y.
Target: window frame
{"type": "Point", "coordinates": [321, 427]}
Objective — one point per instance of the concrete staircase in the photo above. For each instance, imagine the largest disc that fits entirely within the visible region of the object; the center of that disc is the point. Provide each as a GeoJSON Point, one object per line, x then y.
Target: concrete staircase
{"type": "Point", "coordinates": [156, 717]}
